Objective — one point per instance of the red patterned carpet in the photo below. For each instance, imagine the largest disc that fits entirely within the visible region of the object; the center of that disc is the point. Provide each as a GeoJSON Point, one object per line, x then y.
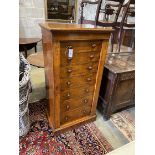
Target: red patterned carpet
{"type": "Point", "coordinates": [85, 140]}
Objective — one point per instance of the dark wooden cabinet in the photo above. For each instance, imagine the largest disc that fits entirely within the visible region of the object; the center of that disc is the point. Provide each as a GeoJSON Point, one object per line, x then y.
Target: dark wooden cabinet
{"type": "Point", "coordinates": [74, 57]}
{"type": "Point", "coordinates": [117, 89]}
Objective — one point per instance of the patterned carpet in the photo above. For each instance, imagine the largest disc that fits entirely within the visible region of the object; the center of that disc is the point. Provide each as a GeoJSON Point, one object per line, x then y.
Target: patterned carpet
{"type": "Point", "coordinates": [86, 139]}
{"type": "Point", "coordinates": [125, 123]}
{"type": "Point", "coordinates": [99, 137]}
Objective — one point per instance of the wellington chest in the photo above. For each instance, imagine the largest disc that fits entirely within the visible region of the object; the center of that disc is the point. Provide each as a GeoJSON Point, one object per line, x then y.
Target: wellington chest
{"type": "Point", "coordinates": [118, 83]}
{"type": "Point", "coordinates": [74, 57]}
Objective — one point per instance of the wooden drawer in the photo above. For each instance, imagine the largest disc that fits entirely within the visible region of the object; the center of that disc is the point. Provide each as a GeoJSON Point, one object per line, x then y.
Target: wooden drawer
{"type": "Point", "coordinates": [74, 114]}
{"type": "Point", "coordinates": [71, 104]}
{"type": "Point", "coordinates": [81, 46]}
{"type": "Point", "coordinates": [84, 69]}
{"type": "Point", "coordinates": [76, 93]}
{"type": "Point", "coordinates": [79, 58]}
{"type": "Point", "coordinates": [77, 81]}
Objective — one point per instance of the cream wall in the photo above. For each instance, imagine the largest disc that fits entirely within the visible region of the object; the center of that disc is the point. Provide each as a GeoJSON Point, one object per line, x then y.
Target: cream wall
{"type": "Point", "coordinates": [31, 12]}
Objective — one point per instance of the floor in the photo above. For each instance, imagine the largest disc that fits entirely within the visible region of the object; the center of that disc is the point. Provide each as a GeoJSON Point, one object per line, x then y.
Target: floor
{"type": "Point", "coordinates": [124, 150]}
{"type": "Point", "coordinates": [111, 132]}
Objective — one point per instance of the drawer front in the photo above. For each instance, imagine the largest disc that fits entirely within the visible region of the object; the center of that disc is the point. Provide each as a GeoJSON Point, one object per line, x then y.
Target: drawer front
{"type": "Point", "coordinates": [81, 46]}
{"type": "Point", "coordinates": [71, 104]}
{"type": "Point", "coordinates": [74, 114]}
{"type": "Point", "coordinates": [79, 58]}
{"type": "Point", "coordinates": [70, 71]}
{"type": "Point", "coordinates": [76, 93]}
{"type": "Point", "coordinates": [77, 81]}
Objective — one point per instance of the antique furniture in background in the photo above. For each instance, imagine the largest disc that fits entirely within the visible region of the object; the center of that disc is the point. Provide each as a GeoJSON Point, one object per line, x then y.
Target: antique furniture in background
{"type": "Point", "coordinates": [115, 14]}
{"type": "Point", "coordinates": [61, 10]}
{"type": "Point", "coordinates": [74, 57]}
{"type": "Point", "coordinates": [126, 25]}
{"type": "Point", "coordinates": [117, 89]}
{"type": "Point", "coordinates": [111, 9]}
{"type": "Point", "coordinates": [26, 44]}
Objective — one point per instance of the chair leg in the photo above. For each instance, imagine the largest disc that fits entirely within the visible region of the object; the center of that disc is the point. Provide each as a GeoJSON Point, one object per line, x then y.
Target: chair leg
{"type": "Point", "coordinates": [112, 42]}
{"type": "Point", "coordinates": [133, 41]}
{"type": "Point", "coordinates": [120, 37]}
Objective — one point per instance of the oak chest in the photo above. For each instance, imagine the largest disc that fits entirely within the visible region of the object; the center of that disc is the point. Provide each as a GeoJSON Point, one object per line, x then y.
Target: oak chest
{"type": "Point", "coordinates": [118, 83]}
{"type": "Point", "coordinates": [74, 57]}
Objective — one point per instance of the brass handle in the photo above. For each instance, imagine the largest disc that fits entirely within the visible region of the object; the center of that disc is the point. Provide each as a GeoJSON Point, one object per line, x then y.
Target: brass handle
{"type": "Point", "coordinates": [93, 45]}
{"type": "Point", "coordinates": [69, 70]}
{"type": "Point", "coordinates": [90, 67]}
{"type": "Point", "coordinates": [85, 100]}
{"type": "Point", "coordinates": [66, 118]}
{"type": "Point", "coordinates": [68, 83]}
{"type": "Point", "coordinates": [91, 56]}
{"type": "Point", "coordinates": [68, 95]}
{"type": "Point", "coordinates": [67, 107]}
{"type": "Point", "coordinates": [87, 90]}
{"type": "Point", "coordinates": [88, 79]}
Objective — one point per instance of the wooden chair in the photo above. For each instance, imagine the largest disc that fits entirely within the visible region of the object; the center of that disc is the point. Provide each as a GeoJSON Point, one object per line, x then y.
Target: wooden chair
{"type": "Point", "coordinates": [128, 11]}
{"type": "Point", "coordinates": [112, 8]}
{"type": "Point", "coordinates": [83, 4]}
{"type": "Point", "coordinates": [123, 11]}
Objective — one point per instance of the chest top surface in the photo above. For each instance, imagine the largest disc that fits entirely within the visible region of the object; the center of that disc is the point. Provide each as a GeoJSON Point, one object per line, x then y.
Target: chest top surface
{"type": "Point", "coordinates": [74, 27]}
{"type": "Point", "coordinates": [120, 62]}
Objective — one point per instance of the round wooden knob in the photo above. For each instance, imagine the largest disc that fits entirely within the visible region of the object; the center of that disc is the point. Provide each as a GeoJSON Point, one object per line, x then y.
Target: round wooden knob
{"type": "Point", "coordinates": [67, 107]}
{"type": "Point", "coordinates": [93, 45]}
{"type": "Point", "coordinates": [85, 100]}
{"type": "Point", "coordinates": [68, 95]}
{"type": "Point", "coordinates": [69, 70]}
{"type": "Point", "coordinates": [90, 67]}
{"type": "Point", "coordinates": [68, 83]}
{"type": "Point", "coordinates": [91, 56]}
{"type": "Point", "coordinates": [66, 118]}
{"type": "Point", "coordinates": [86, 90]}
{"type": "Point", "coordinates": [88, 79]}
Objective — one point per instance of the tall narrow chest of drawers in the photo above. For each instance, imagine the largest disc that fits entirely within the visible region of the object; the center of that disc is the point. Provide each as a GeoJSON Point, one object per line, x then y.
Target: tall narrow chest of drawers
{"type": "Point", "coordinates": [74, 57]}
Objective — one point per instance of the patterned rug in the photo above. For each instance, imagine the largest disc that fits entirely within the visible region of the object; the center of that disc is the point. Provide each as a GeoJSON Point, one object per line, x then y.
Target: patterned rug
{"type": "Point", "coordinates": [125, 122]}
{"type": "Point", "coordinates": [85, 140]}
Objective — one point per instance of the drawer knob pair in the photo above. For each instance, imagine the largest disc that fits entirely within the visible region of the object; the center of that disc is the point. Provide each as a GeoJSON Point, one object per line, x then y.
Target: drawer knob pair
{"type": "Point", "coordinates": [93, 45]}
{"type": "Point", "coordinates": [86, 90]}
{"type": "Point", "coordinates": [84, 112]}
{"type": "Point", "coordinates": [91, 56]}
{"type": "Point", "coordinates": [66, 118]}
{"type": "Point", "coordinates": [69, 70]}
{"type": "Point", "coordinates": [68, 83]}
{"type": "Point", "coordinates": [88, 79]}
{"type": "Point", "coordinates": [85, 100]}
{"type": "Point", "coordinates": [69, 46]}
{"type": "Point", "coordinates": [67, 107]}
{"type": "Point", "coordinates": [90, 67]}
{"type": "Point", "coordinates": [68, 95]}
